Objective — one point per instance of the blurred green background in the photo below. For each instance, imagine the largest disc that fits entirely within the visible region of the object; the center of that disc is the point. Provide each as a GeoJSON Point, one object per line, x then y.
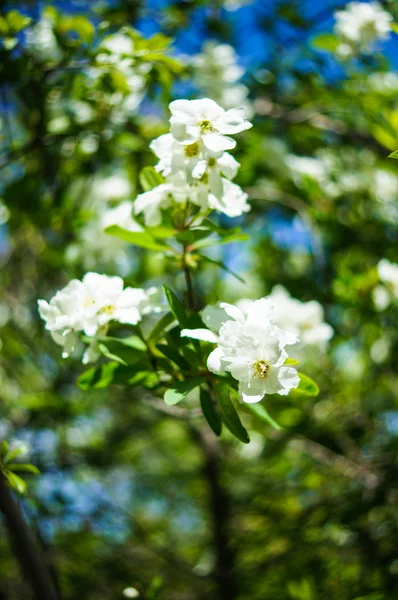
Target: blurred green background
{"type": "Point", "coordinates": [128, 496]}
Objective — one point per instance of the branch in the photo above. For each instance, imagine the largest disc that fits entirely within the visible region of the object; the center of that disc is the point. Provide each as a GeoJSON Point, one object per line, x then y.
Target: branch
{"type": "Point", "coordinates": [32, 561]}
{"type": "Point", "coordinates": [219, 504]}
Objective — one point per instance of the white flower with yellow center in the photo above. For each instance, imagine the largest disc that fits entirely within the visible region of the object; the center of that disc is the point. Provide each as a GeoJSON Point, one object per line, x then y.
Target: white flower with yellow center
{"type": "Point", "coordinates": [250, 348]}
{"type": "Point", "coordinates": [204, 120]}
{"type": "Point", "coordinates": [89, 306]}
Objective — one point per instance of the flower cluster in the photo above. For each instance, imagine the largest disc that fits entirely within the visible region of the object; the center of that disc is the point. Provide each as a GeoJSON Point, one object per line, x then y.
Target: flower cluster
{"type": "Point", "coordinates": [90, 305]}
{"type": "Point", "coordinates": [360, 25]}
{"type": "Point", "coordinates": [216, 72]}
{"type": "Point", "coordinates": [303, 319]}
{"type": "Point", "coordinates": [388, 291]}
{"type": "Point", "coordinates": [194, 161]}
{"type": "Point", "coordinates": [250, 347]}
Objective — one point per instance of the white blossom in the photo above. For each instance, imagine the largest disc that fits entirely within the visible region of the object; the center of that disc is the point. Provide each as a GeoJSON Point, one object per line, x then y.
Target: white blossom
{"type": "Point", "coordinates": [204, 120]}
{"type": "Point", "coordinates": [89, 306]}
{"type": "Point", "coordinates": [360, 25]}
{"type": "Point", "coordinates": [216, 72]}
{"type": "Point", "coordinates": [303, 319]}
{"type": "Point", "coordinates": [388, 274]}
{"type": "Point", "coordinates": [249, 347]}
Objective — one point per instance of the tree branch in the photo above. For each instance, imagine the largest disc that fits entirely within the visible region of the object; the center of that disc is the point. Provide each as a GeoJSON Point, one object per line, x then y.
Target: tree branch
{"type": "Point", "coordinates": [28, 552]}
{"type": "Point", "coordinates": [220, 513]}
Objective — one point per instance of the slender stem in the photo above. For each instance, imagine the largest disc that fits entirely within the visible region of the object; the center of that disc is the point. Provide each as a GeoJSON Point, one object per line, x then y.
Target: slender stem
{"type": "Point", "coordinates": [27, 550]}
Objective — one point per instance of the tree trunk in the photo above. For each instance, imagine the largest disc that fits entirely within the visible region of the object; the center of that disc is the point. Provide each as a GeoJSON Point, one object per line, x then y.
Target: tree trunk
{"type": "Point", "coordinates": [220, 513]}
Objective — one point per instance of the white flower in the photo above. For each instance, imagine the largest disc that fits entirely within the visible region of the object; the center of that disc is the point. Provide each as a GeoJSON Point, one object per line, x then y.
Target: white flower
{"type": "Point", "coordinates": [249, 347]}
{"type": "Point", "coordinates": [204, 120]}
{"type": "Point", "coordinates": [196, 161]}
{"type": "Point", "coordinates": [388, 274]}
{"type": "Point", "coordinates": [303, 319]}
{"type": "Point", "coordinates": [216, 73]}
{"type": "Point", "coordinates": [361, 24]}
{"type": "Point", "coordinates": [90, 305]}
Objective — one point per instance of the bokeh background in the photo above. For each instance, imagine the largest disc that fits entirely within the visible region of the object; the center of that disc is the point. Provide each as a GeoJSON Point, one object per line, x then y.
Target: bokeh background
{"type": "Point", "coordinates": [125, 499]}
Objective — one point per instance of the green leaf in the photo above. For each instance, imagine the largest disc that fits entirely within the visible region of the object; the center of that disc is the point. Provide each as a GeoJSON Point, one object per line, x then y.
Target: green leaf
{"type": "Point", "coordinates": [259, 411]}
{"type": "Point", "coordinates": [17, 21]}
{"type": "Point", "coordinates": [77, 24]}
{"type": "Point", "coordinates": [180, 390]}
{"type": "Point", "coordinates": [126, 351]}
{"type": "Point", "coordinates": [3, 448]}
{"type": "Point", "coordinates": [161, 232]}
{"type": "Point", "coordinates": [394, 27]}
{"type": "Point", "coordinates": [223, 266]}
{"type": "Point", "coordinates": [14, 453]}
{"type": "Point", "coordinates": [27, 468]}
{"type": "Point", "coordinates": [137, 238]}
{"type": "Point", "coordinates": [160, 326]}
{"type": "Point", "coordinates": [16, 482]}
{"type": "Point", "coordinates": [173, 355]}
{"type": "Point", "coordinates": [307, 387]}
{"type": "Point", "coordinates": [149, 178]}
{"type": "Point", "coordinates": [97, 377]}
{"type": "Point", "coordinates": [326, 41]}
{"type": "Point", "coordinates": [176, 307]}
{"type": "Point", "coordinates": [236, 237]}
{"type": "Point", "coordinates": [393, 154]}
{"type": "Point", "coordinates": [291, 361]}
{"type": "Point", "coordinates": [189, 236]}
{"type": "Point", "coordinates": [108, 354]}
{"type": "Point", "coordinates": [209, 411]}
{"type": "Point", "coordinates": [229, 414]}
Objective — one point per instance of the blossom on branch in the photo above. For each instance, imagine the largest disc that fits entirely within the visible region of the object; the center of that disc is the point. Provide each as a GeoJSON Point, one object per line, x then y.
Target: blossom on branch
{"type": "Point", "coordinates": [88, 307]}
{"type": "Point", "coordinates": [250, 347]}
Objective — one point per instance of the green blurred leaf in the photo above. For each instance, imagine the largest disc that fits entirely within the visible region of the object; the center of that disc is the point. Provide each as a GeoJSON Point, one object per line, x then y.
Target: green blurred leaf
{"type": "Point", "coordinates": [24, 467]}
{"type": "Point", "coordinates": [150, 178]}
{"type": "Point", "coordinates": [16, 482]}
{"type": "Point", "coordinates": [393, 154]}
{"type": "Point", "coordinates": [326, 41]}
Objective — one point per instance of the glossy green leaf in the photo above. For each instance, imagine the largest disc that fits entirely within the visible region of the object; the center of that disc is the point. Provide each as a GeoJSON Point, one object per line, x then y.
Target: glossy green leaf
{"type": "Point", "coordinates": [210, 412]}
{"type": "Point", "coordinates": [97, 377]}
{"type": "Point", "coordinates": [142, 239]}
{"type": "Point", "coordinates": [260, 411]}
{"type": "Point", "coordinates": [180, 390]}
{"type": "Point", "coordinates": [16, 482]}
{"type": "Point", "coordinates": [23, 467]}
{"type": "Point", "coordinates": [229, 414]}
{"type": "Point", "coordinates": [160, 326]}
{"type": "Point", "coordinates": [393, 154]}
{"type": "Point", "coordinates": [307, 387]}
{"type": "Point", "coordinates": [176, 307]}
